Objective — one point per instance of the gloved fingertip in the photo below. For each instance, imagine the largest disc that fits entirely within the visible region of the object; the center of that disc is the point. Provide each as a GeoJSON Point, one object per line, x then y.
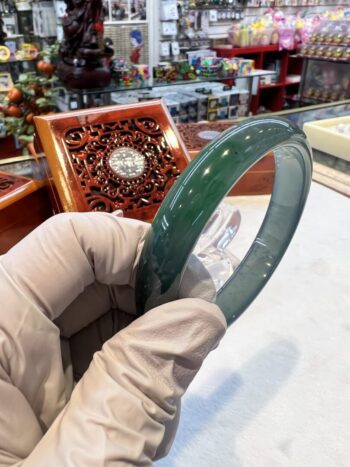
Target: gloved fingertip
{"type": "Point", "coordinates": [207, 309]}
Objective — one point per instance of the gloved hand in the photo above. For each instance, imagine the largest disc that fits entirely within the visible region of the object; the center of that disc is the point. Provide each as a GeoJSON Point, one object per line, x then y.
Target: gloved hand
{"type": "Point", "coordinates": [66, 289]}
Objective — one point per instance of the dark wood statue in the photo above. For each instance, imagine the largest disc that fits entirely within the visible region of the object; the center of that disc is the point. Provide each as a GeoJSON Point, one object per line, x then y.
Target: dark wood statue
{"type": "Point", "coordinates": [82, 52]}
{"type": "Point", "coordinates": [3, 34]}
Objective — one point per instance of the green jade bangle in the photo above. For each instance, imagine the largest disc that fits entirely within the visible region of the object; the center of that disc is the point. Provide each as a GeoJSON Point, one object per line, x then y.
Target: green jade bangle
{"type": "Point", "coordinates": [196, 194]}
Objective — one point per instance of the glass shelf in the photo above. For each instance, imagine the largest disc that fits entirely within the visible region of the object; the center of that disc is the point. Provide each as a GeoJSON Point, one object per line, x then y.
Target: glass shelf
{"type": "Point", "coordinates": [7, 62]}
{"type": "Point", "coordinates": [148, 85]}
{"type": "Point", "coordinates": [325, 59]}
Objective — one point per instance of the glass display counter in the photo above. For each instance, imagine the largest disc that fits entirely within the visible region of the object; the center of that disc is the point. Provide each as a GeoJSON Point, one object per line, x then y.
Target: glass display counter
{"type": "Point", "coordinates": [259, 180]}
{"type": "Point", "coordinates": [324, 80]}
{"type": "Point", "coordinates": [302, 115]}
{"type": "Point", "coordinates": [328, 170]}
{"type": "Point", "coordinates": [72, 99]}
{"type": "Point", "coordinates": [24, 165]}
{"type": "Point", "coordinates": [198, 135]}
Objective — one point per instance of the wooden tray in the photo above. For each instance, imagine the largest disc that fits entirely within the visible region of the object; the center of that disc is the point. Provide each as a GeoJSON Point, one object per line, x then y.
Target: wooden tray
{"type": "Point", "coordinates": [24, 204]}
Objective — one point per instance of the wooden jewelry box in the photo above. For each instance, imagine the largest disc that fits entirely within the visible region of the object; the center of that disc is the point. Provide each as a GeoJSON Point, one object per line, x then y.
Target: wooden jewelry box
{"type": "Point", "coordinates": [24, 204]}
{"type": "Point", "coordinates": [109, 158]}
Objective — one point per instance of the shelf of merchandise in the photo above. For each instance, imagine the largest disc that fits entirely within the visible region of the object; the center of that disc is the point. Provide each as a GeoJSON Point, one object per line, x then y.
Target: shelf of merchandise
{"type": "Point", "coordinates": [229, 51]}
{"type": "Point", "coordinates": [325, 59]}
{"type": "Point", "coordinates": [338, 68]}
{"type": "Point", "coordinates": [269, 95]}
{"type": "Point", "coordinates": [308, 5]}
{"type": "Point", "coordinates": [16, 67]}
{"type": "Point", "coordinates": [86, 98]}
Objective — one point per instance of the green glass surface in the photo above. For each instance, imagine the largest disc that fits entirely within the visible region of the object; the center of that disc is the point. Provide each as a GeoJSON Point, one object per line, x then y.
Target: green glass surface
{"type": "Point", "coordinates": [199, 190]}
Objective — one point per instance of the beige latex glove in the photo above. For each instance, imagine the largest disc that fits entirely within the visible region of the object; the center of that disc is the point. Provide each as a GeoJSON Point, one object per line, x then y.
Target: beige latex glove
{"type": "Point", "coordinates": [64, 290]}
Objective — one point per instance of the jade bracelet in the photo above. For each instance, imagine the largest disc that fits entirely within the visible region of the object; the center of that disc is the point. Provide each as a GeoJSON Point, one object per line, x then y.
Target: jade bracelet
{"type": "Point", "coordinates": [199, 190]}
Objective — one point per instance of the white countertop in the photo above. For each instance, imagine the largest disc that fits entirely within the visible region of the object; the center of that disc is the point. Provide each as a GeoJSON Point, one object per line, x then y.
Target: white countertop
{"type": "Point", "coordinates": [276, 393]}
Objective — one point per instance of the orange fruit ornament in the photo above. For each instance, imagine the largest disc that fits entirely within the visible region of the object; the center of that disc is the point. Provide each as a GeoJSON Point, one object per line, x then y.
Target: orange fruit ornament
{"type": "Point", "coordinates": [36, 88]}
{"type": "Point", "coordinates": [29, 118]}
{"type": "Point", "coordinates": [41, 65]}
{"type": "Point", "coordinates": [15, 95]}
{"type": "Point", "coordinates": [48, 69]}
{"type": "Point", "coordinates": [14, 111]}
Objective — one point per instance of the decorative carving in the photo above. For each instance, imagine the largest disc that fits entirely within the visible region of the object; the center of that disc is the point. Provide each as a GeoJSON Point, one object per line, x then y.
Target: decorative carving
{"type": "Point", "coordinates": [117, 157]}
{"type": "Point", "coordinates": [105, 186]}
{"type": "Point", "coordinates": [257, 181]}
{"type": "Point", "coordinates": [6, 182]}
{"type": "Point", "coordinates": [197, 135]}
{"type": "Point", "coordinates": [10, 183]}
{"type": "Point", "coordinates": [82, 50]}
{"type": "Point", "coordinates": [127, 162]}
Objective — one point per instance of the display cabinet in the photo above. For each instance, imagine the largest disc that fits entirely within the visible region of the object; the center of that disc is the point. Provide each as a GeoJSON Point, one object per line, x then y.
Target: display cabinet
{"type": "Point", "coordinates": [187, 101]}
{"type": "Point", "coordinates": [32, 204]}
{"type": "Point", "coordinates": [322, 111]}
{"type": "Point", "coordinates": [324, 80]}
{"type": "Point", "coordinates": [286, 68]}
{"type": "Point", "coordinates": [326, 54]}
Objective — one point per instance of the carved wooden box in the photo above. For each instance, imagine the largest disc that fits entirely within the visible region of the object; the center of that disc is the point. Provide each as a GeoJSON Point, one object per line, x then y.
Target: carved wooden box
{"type": "Point", "coordinates": [24, 204]}
{"type": "Point", "coordinates": [197, 135]}
{"type": "Point", "coordinates": [109, 158]}
{"type": "Point", "coordinates": [257, 181]}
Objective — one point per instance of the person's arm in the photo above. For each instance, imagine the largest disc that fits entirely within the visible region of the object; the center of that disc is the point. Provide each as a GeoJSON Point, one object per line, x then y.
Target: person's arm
{"type": "Point", "coordinates": [124, 410]}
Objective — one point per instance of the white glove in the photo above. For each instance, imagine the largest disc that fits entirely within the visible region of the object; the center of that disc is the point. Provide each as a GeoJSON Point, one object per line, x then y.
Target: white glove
{"type": "Point", "coordinates": [66, 289]}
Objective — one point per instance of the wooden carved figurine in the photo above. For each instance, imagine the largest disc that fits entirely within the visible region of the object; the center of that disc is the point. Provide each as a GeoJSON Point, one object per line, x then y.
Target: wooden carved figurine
{"type": "Point", "coordinates": [82, 52]}
{"type": "Point", "coordinates": [3, 34]}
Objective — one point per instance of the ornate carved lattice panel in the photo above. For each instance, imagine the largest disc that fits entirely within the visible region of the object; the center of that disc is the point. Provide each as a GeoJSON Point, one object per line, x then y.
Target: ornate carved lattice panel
{"type": "Point", "coordinates": [120, 157]}
{"type": "Point", "coordinates": [6, 183]}
{"type": "Point", "coordinates": [197, 135]}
